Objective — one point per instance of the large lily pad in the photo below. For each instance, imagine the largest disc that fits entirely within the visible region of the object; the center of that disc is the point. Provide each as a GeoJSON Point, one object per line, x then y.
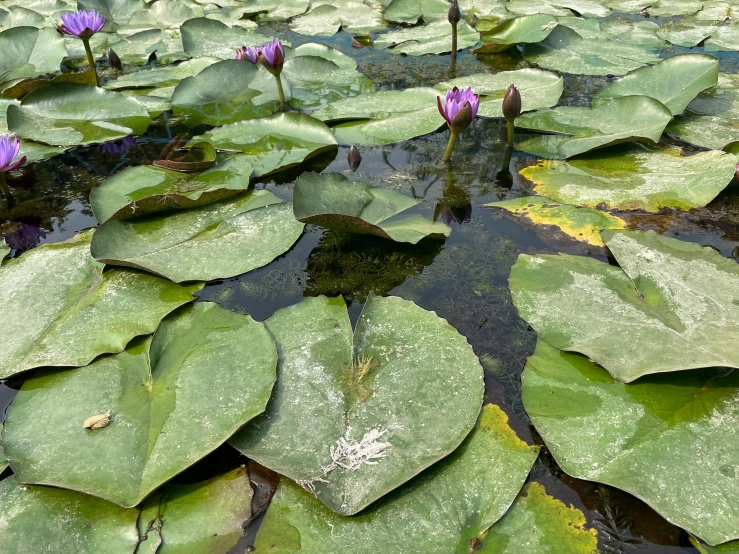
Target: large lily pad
{"type": "Point", "coordinates": [566, 51]}
{"type": "Point", "coordinates": [162, 14]}
{"type": "Point", "coordinates": [326, 18]}
{"type": "Point", "coordinates": [275, 10]}
{"type": "Point", "coordinates": [410, 11]}
{"type": "Point", "coordinates": [355, 415]}
{"type": "Point", "coordinates": [45, 519]}
{"type": "Point", "coordinates": [61, 309]}
{"type": "Point", "coordinates": [631, 118]}
{"type": "Point", "coordinates": [137, 48]}
{"type": "Point", "coordinates": [334, 202]}
{"type": "Point", "coordinates": [635, 178]}
{"type": "Point", "coordinates": [445, 509]}
{"type": "Point", "coordinates": [138, 191]}
{"type": "Point", "coordinates": [668, 308]}
{"type": "Point", "coordinates": [671, 440]}
{"type": "Point", "coordinates": [434, 38]}
{"type": "Point", "coordinates": [273, 143]}
{"type": "Point", "coordinates": [67, 114]}
{"type": "Point", "coordinates": [202, 518]}
{"type": "Point", "coordinates": [172, 399]}
{"type": "Point", "coordinates": [583, 224]}
{"type": "Point", "coordinates": [207, 37]}
{"type": "Point", "coordinates": [526, 29]}
{"type": "Point", "coordinates": [29, 52]}
{"type": "Point", "coordinates": [710, 120]}
{"type": "Point", "coordinates": [225, 92]}
{"type": "Point", "coordinates": [215, 241]}
{"type": "Point", "coordinates": [674, 81]}
{"type": "Point", "coordinates": [165, 76]}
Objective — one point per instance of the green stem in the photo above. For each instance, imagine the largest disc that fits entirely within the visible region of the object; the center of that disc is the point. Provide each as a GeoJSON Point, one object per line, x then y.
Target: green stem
{"type": "Point", "coordinates": [510, 132]}
{"type": "Point", "coordinates": [4, 186]}
{"type": "Point", "coordinates": [91, 60]}
{"type": "Point", "coordinates": [281, 93]}
{"type": "Point", "coordinates": [454, 46]}
{"type": "Point", "coordinates": [450, 146]}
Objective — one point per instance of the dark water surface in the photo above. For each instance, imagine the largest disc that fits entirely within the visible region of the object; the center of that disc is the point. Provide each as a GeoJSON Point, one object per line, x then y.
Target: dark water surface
{"type": "Point", "coordinates": [463, 279]}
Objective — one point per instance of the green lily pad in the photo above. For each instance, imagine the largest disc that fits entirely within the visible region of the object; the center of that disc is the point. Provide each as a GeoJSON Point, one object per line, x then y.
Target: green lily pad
{"type": "Point", "coordinates": [442, 510]}
{"type": "Point", "coordinates": [566, 51]}
{"type": "Point", "coordinates": [135, 49]}
{"type": "Point", "coordinates": [276, 10]}
{"type": "Point", "coordinates": [172, 399]}
{"type": "Point", "coordinates": [326, 18]}
{"type": "Point", "coordinates": [17, 16]}
{"type": "Point", "coordinates": [725, 38]}
{"type": "Point", "coordinates": [670, 440]}
{"type": "Point", "coordinates": [583, 224]}
{"type": "Point", "coordinates": [215, 241]}
{"type": "Point", "coordinates": [685, 33]}
{"type": "Point", "coordinates": [636, 33]}
{"type": "Point", "coordinates": [630, 118]}
{"type": "Point", "coordinates": [273, 143]}
{"type": "Point", "coordinates": [726, 548]}
{"type": "Point", "coordinates": [410, 11]}
{"type": "Point", "coordinates": [29, 52]}
{"type": "Point", "coordinates": [665, 8]}
{"type": "Point", "coordinates": [38, 519]}
{"type": "Point", "coordinates": [117, 12]}
{"type": "Point", "coordinates": [162, 14]}
{"type": "Point", "coordinates": [202, 518]}
{"type": "Point", "coordinates": [69, 114]}
{"type": "Point", "coordinates": [526, 29]}
{"type": "Point", "coordinates": [710, 120]}
{"type": "Point", "coordinates": [355, 415]}
{"type": "Point", "coordinates": [143, 190]}
{"type": "Point", "coordinates": [165, 76]}
{"type": "Point", "coordinates": [434, 38]}
{"type": "Point", "coordinates": [665, 309]}
{"type": "Point", "coordinates": [674, 81]}
{"type": "Point", "coordinates": [208, 37]}
{"type": "Point", "coordinates": [226, 92]}
{"type": "Point", "coordinates": [635, 178]}
{"type": "Point", "coordinates": [65, 311]}
{"type": "Point", "coordinates": [334, 202]}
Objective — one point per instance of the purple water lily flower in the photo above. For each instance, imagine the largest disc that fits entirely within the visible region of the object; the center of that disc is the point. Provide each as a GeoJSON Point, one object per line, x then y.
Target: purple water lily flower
{"type": "Point", "coordinates": [81, 23]}
{"type": "Point", "coordinates": [272, 56]}
{"type": "Point", "coordinates": [24, 237]}
{"type": "Point", "coordinates": [248, 53]}
{"type": "Point", "coordinates": [454, 102]}
{"type": "Point", "coordinates": [9, 149]}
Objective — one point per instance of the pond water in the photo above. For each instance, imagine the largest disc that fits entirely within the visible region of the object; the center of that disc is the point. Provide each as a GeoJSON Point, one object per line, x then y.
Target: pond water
{"type": "Point", "coordinates": [462, 278]}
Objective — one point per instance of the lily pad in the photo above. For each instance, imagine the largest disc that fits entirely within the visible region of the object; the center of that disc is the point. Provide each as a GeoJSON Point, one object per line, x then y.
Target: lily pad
{"type": "Point", "coordinates": [442, 510]}
{"type": "Point", "coordinates": [208, 37]}
{"type": "Point", "coordinates": [165, 76]}
{"type": "Point", "coordinates": [710, 120]}
{"type": "Point", "coordinates": [726, 548]}
{"type": "Point", "coordinates": [583, 224]}
{"type": "Point", "coordinates": [162, 14]}
{"type": "Point", "coordinates": [273, 143]}
{"type": "Point", "coordinates": [38, 519]}
{"type": "Point", "coordinates": [670, 440]}
{"type": "Point", "coordinates": [668, 308]}
{"type": "Point", "coordinates": [29, 52]}
{"type": "Point", "coordinates": [172, 398]}
{"type": "Point", "coordinates": [685, 33]}
{"type": "Point", "coordinates": [202, 518]}
{"type": "Point", "coordinates": [355, 415]}
{"type": "Point", "coordinates": [566, 51]}
{"type": "Point", "coordinates": [434, 38]}
{"type": "Point", "coordinates": [138, 191]}
{"type": "Point", "coordinates": [326, 18]}
{"type": "Point", "coordinates": [65, 311]}
{"type": "Point", "coordinates": [225, 92]}
{"type": "Point", "coordinates": [630, 118]}
{"type": "Point", "coordinates": [526, 29]}
{"type": "Point", "coordinates": [635, 178]}
{"type": "Point", "coordinates": [410, 11]}
{"type": "Point", "coordinates": [674, 81]}
{"type": "Point", "coordinates": [215, 241]}
{"type": "Point", "coordinates": [69, 114]}
{"type": "Point", "coordinates": [117, 12]}
{"type": "Point", "coordinates": [276, 10]}
{"type": "Point", "coordinates": [334, 202]}
{"type": "Point", "coordinates": [17, 16]}
{"type": "Point", "coordinates": [137, 48]}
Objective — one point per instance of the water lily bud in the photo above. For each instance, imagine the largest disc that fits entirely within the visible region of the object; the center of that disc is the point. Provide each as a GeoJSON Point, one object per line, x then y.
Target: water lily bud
{"type": "Point", "coordinates": [454, 14]}
{"type": "Point", "coordinates": [512, 103]}
{"type": "Point", "coordinates": [272, 57]}
{"type": "Point", "coordinates": [354, 157]}
{"type": "Point", "coordinates": [463, 118]}
{"type": "Point", "coordinates": [113, 60]}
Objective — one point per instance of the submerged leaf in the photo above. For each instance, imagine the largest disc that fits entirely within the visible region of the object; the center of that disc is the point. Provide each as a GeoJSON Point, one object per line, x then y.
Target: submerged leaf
{"type": "Point", "coordinates": [356, 414]}
{"type": "Point", "coordinates": [668, 308]}
{"type": "Point", "coordinates": [176, 397]}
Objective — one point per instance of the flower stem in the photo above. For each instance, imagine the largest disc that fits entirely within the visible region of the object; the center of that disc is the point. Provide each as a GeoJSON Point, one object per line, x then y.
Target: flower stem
{"type": "Point", "coordinates": [450, 146]}
{"type": "Point", "coordinates": [283, 107]}
{"type": "Point", "coordinates": [510, 132]}
{"type": "Point", "coordinates": [454, 47]}
{"type": "Point", "coordinates": [4, 186]}
{"type": "Point", "coordinates": [91, 60]}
